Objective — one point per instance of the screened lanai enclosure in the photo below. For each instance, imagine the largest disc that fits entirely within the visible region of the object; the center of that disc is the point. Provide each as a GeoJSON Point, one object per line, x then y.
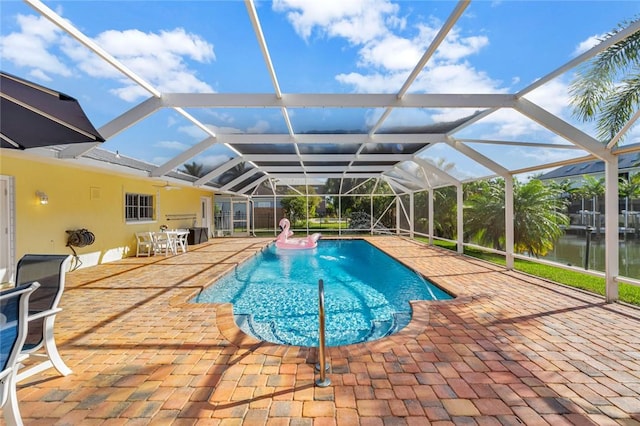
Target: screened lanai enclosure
{"type": "Point", "coordinates": [339, 148]}
{"type": "Point", "coordinates": [364, 206]}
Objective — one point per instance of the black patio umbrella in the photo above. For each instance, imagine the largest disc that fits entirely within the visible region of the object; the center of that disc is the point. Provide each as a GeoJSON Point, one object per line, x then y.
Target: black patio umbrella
{"type": "Point", "coordinates": [33, 116]}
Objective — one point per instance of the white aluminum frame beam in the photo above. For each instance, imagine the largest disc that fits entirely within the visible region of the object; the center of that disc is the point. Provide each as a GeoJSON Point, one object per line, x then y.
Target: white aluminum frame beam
{"type": "Point", "coordinates": [239, 179]}
{"type": "Point", "coordinates": [477, 157]}
{"type": "Point", "coordinates": [604, 44]}
{"type": "Point", "coordinates": [328, 157]}
{"type": "Point", "coordinates": [320, 169]}
{"type": "Point", "coordinates": [394, 184]}
{"type": "Point", "coordinates": [330, 138]}
{"type": "Point", "coordinates": [255, 22]}
{"type": "Point", "coordinates": [301, 175]}
{"type": "Point", "coordinates": [218, 171]}
{"type": "Point", "coordinates": [562, 128]}
{"type": "Point", "coordinates": [433, 169]}
{"type": "Point", "coordinates": [515, 143]}
{"type": "Point", "coordinates": [184, 156]}
{"type": "Point", "coordinates": [437, 41]}
{"type": "Point", "coordinates": [253, 185]}
{"type": "Point", "coordinates": [408, 176]}
{"type": "Point", "coordinates": [336, 100]}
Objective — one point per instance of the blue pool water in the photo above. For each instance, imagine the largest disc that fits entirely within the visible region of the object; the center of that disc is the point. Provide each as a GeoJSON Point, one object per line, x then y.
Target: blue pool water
{"type": "Point", "coordinates": [367, 293]}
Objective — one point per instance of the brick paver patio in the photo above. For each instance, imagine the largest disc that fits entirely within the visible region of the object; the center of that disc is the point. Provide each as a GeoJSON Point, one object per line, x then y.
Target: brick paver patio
{"type": "Point", "coordinates": [510, 349]}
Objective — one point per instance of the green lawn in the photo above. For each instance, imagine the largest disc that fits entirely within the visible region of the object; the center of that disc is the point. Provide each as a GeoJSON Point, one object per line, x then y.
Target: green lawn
{"type": "Point", "coordinates": [627, 293]}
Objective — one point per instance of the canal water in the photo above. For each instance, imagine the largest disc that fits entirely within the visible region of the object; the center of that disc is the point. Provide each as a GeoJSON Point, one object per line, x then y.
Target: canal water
{"type": "Point", "coordinates": [571, 250]}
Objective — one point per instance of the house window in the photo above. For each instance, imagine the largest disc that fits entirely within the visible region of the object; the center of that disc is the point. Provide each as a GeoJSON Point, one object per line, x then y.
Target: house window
{"type": "Point", "coordinates": [138, 207]}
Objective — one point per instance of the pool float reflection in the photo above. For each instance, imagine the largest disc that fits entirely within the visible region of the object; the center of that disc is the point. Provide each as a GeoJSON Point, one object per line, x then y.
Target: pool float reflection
{"type": "Point", "coordinates": [284, 242]}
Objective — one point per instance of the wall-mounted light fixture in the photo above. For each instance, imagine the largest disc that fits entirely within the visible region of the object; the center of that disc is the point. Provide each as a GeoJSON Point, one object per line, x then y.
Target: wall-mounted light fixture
{"type": "Point", "coordinates": [42, 197]}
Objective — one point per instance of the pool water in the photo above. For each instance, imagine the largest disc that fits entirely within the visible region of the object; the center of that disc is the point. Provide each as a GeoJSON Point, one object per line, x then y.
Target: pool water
{"type": "Point", "coordinates": [367, 293]}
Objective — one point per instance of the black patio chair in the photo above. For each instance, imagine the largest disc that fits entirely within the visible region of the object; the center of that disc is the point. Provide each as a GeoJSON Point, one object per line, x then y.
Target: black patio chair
{"type": "Point", "coordinates": [49, 271]}
{"type": "Point", "coordinates": [14, 308]}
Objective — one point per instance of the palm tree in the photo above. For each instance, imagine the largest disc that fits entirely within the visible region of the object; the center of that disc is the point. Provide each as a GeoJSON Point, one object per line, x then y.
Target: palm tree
{"type": "Point", "coordinates": [484, 213]}
{"type": "Point", "coordinates": [444, 212]}
{"type": "Point", "coordinates": [538, 216]}
{"type": "Point", "coordinates": [594, 188]}
{"type": "Point", "coordinates": [629, 188]}
{"type": "Point", "coordinates": [233, 173]}
{"type": "Point", "coordinates": [565, 188]}
{"type": "Point", "coordinates": [607, 88]}
{"type": "Point", "coordinates": [193, 169]}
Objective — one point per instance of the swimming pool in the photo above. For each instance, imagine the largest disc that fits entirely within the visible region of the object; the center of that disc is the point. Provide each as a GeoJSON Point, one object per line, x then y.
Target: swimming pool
{"type": "Point", "coordinates": [367, 293]}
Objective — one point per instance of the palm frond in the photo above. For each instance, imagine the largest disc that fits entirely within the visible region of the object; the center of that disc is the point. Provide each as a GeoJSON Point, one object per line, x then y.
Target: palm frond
{"type": "Point", "coordinates": [603, 90]}
{"type": "Point", "coordinates": [619, 107]}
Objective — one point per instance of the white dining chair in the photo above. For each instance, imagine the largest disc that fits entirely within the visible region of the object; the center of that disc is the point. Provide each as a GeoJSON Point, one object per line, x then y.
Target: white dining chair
{"type": "Point", "coordinates": [145, 244]}
{"type": "Point", "coordinates": [162, 243]}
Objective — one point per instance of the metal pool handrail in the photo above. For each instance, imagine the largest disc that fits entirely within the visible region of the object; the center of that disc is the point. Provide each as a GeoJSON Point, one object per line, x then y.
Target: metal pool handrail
{"type": "Point", "coordinates": [323, 381]}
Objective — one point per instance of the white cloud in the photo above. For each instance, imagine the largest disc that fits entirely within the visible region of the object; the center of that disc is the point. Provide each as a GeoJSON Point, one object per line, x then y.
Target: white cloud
{"type": "Point", "coordinates": [161, 59]}
{"type": "Point", "coordinates": [30, 47]}
{"type": "Point", "coordinates": [172, 145]}
{"type": "Point", "coordinates": [401, 118]}
{"type": "Point", "coordinates": [456, 78]}
{"type": "Point", "coordinates": [158, 58]}
{"type": "Point", "coordinates": [374, 82]}
{"type": "Point", "coordinates": [358, 21]}
{"type": "Point", "coordinates": [451, 114]}
{"type": "Point", "coordinates": [221, 116]}
{"type": "Point", "coordinates": [386, 54]}
{"type": "Point", "coordinates": [212, 160]}
{"type": "Point", "coordinates": [38, 74]}
{"type": "Point", "coordinates": [543, 155]}
{"type": "Point", "coordinates": [261, 126]}
{"type": "Point", "coordinates": [509, 124]}
{"type": "Point", "coordinates": [391, 53]}
{"type": "Point", "coordinates": [552, 96]}
{"type": "Point", "coordinates": [454, 47]}
{"type": "Point", "coordinates": [588, 44]}
{"type": "Point", "coordinates": [159, 159]}
{"type": "Point", "coordinates": [194, 131]}
{"type": "Point", "coordinates": [224, 129]}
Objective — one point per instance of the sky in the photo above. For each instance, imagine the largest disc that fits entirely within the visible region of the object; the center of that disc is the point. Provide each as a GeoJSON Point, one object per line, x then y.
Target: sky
{"type": "Point", "coordinates": [329, 46]}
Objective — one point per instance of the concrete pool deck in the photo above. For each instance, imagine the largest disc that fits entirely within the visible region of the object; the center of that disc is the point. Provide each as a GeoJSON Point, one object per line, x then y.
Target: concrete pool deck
{"type": "Point", "coordinates": [510, 349]}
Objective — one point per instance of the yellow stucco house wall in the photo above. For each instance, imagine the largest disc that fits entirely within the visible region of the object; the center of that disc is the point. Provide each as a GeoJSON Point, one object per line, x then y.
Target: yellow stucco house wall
{"type": "Point", "coordinates": [86, 197]}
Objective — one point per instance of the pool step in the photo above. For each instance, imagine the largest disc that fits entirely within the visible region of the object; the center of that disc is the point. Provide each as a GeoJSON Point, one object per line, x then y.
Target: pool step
{"type": "Point", "coordinates": [260, 330]}
{"type": "Point", "coordinates": [271, 332]}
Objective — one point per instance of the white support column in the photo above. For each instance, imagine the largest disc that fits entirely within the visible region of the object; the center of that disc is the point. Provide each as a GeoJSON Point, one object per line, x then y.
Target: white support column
{"type": "Point", "coordinates": [306, 201]}
{"type": "Point", "coordinates": [397, 215]}
{"type": "Point", "coordinates": [430, 216]}
{"type": "Point", "coordinates": [371, 214]}
{"type": "Point", "coordinates": [411, 214]}
{"type": "Point", "coordinates": [340, 212]}
{"type": "Point", "coordinates": [460, 218]}
{"type": "Point", "coordinates": [509, 220]}
{"type": "Point", "coordinates": [611, 251]}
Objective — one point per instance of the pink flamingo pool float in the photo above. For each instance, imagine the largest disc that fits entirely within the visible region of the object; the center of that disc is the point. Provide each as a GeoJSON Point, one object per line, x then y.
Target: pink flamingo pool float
{"type": "Point", "coordinates": [284, 242]}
